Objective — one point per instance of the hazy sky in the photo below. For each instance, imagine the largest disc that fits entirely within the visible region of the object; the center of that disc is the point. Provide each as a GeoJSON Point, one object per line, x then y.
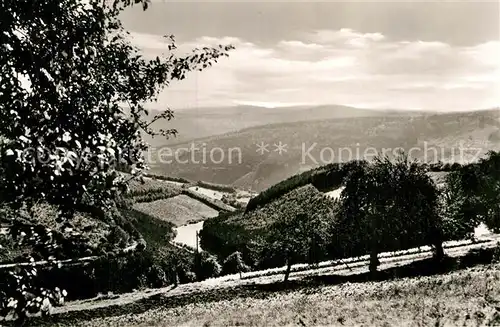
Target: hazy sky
{"type": "Point", "coordinates": [429, 55]}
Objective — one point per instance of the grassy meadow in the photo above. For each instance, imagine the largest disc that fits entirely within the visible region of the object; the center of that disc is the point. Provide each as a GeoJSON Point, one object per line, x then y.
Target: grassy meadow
{"type": "Point", "coordinates": [467, 297]}
{"type": "Point", "coordinates": [413, 290]}
{"type": "Point", "coordinates": [180, 210]}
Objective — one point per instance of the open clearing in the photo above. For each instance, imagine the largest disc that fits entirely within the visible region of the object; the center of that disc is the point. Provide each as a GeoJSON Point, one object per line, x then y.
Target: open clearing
{"type": "Point", "coordinates": [240, 196]}
{"type": "Point", "coordinates": [213, 194]}
{"type": "Point", "coordinates": [180, 210]}
{"type": "Point", "coordinates": [335, 194]}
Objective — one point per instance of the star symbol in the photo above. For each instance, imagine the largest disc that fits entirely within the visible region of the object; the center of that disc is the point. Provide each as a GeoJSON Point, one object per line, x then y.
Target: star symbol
{"type": "Point", "coordinates": [280, 148]}
{"type": "Point", "coordinates": [262, 148]}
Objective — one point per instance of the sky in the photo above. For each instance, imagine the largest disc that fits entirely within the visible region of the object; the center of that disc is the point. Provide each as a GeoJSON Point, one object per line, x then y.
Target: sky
{"type": "Point", "coordinates": [426, 55]}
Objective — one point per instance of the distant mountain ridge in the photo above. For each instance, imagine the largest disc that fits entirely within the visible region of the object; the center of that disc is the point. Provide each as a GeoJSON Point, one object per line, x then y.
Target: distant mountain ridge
{"type": "Point", "coordinates": [198, 123]}
{"type": "Point", "coordinates": [446, 133]}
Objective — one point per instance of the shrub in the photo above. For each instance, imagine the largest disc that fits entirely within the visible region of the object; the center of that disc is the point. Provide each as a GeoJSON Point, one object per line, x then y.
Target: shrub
{"type": "Point", "coordinates": [208, 266]}
{"type": "Point", "coordinates": [212, 203]}
{"type": "Point", "coordinates": [169, 178]}
{"type": "Point", "coordinates": [234, 264]}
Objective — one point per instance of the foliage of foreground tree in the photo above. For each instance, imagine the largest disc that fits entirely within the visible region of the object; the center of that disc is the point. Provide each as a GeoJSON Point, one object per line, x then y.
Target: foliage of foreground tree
{"type": "Point", "coordinates": [387, 206]}
{"type": "Point", "coordinates": [489, 190]}
{"type": "Point", "coordinates": [472, 196]}
{"type": "Point", "coordinates": [72, 95]}
{"type": "Point", "coordinates": [461, 209]}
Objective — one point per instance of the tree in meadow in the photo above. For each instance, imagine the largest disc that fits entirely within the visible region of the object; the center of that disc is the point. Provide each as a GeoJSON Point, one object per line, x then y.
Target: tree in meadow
{"type": "Point", "coordinates": [207, 266]}
{"type": "Point", "coordinates": [362, 219]}
{"type": "Point", "coordinates": [293, 236]}
{"type": "Point", "coordinates": [461, 208]}
{"type": "Point", "coordinates": [388, 205]}
{"type": "Point", "coordinates": [416, 205]}
{"type": "Point", "coordinates": [73, 91]}
{"type": "Point", "coordinates": [489, 190]}
{"type": "Point", "coordinates": [234, 264]}
{"type": "Point", "coordinates": [472, 196]}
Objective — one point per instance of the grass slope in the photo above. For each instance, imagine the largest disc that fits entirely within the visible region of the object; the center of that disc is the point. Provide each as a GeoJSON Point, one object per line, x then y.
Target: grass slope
{"type": "Point", "coordinates": [95, 229]}
{"type": "Point", "coordinates": [235, 231]}
{"type": "Point", "coordinates": [179, 210]}
{"type": "Point", "coordinates": [173, 200]}
{"type": "Point", "coordinates": [466, 298]}
{"type": "Point", "coordinates": [454, 293]}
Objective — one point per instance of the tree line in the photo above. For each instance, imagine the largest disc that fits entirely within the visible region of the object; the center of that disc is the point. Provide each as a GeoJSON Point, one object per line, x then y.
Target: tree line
{"type": "Point", "coordinates": [385, 205]}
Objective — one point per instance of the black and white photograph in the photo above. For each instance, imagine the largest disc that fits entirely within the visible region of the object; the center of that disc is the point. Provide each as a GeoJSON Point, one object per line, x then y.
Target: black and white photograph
{"type": "Point", "coordinates": [249, 163]}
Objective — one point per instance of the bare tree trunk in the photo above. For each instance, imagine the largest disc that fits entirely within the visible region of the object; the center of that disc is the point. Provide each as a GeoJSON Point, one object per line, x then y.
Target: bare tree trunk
{"type": "Point", "coordinates": [437, 242]}
{"type": "Point", "coordinates": [288, 269]}
{"type": "Point", "coordinates": [374, 262]}
{"type": "Point", "coordinates": [176, 278]}
{"type": "Point", "coordinates": [439, 251]}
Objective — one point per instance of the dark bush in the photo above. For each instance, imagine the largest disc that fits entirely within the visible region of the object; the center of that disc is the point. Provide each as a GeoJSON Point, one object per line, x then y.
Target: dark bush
{"type": "Point", "coordinates": [234, 264]}
{"type": "Point", "coordinates": [207, 266]}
